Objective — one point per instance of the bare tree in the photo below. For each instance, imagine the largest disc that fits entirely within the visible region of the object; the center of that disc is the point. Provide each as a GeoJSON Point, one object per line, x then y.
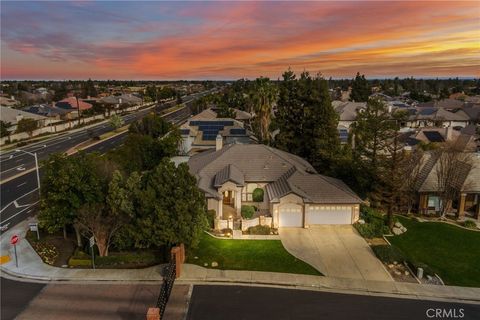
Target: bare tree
{"type": "Point", "coordinates": [452, 169]}
{"type": "Point", "coordinates": [411, 179]}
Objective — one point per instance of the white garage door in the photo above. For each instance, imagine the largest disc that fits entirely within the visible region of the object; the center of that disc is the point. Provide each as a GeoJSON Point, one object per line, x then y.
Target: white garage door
{"type": "Point", "coordinates": [329, 215]}
{"type": "Point", "coordinates": [291, 216]}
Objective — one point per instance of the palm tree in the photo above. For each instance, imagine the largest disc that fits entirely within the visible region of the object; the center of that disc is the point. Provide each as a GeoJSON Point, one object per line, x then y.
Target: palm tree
{"type": "Point", "coordinates": [262, 98]}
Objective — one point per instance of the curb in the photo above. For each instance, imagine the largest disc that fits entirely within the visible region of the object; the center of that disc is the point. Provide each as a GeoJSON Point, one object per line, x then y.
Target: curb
{"type": "Point", "coordinates": [314, 287]}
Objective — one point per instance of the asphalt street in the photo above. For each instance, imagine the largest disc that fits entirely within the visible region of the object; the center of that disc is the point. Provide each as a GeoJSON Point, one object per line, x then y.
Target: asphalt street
{"type": "Point", "coordinates": [15, 296]}
{"type": "Point", "coordinates": [23, 300]}
{"type": "Point", "coordinates": [252, 303]}
{"type": "Point", "coordinates": [19, 196]}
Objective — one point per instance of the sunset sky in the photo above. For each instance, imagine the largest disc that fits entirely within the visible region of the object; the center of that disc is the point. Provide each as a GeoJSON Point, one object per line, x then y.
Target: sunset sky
{"type": "Point", "coordinates": [231, 40]}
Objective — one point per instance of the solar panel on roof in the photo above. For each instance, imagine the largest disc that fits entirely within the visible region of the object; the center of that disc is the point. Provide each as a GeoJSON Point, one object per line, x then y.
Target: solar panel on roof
{"type": "Point", "coordinates": [237, 131]}
{"type": "Point", "coordinates": [427, 111]}
{"type": "Point", "coordinates": [433, 136]}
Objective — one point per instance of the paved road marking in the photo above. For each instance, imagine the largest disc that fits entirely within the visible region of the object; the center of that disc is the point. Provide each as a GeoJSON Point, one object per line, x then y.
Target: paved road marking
{"type": "Point", "coordinates": [16, 214]}
{"type": "Point", "coordinates": [4, 259]}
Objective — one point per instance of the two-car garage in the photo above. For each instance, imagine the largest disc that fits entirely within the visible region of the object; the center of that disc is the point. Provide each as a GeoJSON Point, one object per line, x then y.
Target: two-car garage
{"type": "Point", "coordinates": [291, 215]}
{"type": "Point", "coordinates": [334, 214]}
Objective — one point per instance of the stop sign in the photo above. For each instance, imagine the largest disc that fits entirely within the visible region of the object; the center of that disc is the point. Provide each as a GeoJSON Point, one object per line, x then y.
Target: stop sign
{"type": "Point", "coordinates": [14, 239]}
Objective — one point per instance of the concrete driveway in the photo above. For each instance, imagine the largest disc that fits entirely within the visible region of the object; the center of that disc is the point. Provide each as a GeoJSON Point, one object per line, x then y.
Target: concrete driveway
{"type": "Point", "coordinates": [335, 250]}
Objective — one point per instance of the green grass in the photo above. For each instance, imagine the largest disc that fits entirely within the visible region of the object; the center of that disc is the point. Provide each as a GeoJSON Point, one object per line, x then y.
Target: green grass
{"type": "Point", "coordinates": [254, 255]}
{"type": "Point", "coordinates": [452, 252]}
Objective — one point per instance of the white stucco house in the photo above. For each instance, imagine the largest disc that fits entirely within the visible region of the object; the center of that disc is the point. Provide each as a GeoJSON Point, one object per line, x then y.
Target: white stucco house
{"type": "Point", "coordinates": [295, 195]}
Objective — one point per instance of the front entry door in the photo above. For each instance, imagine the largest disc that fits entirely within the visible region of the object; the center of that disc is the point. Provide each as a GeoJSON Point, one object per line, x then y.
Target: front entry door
{"type": "Point", "coordinates": [228, 198]}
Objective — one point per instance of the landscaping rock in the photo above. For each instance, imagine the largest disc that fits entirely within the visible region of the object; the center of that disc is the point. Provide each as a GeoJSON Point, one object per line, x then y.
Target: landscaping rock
{"type": "Point", "coordinates": [390, 266]}
{"type": "Point", "coordinates": [205, 264]}
{"type": "Point", "coordinates": [407, 273]}
{"type": "Point", "coordinates": [398, 225]}
{"type": "Point", "coordinates": [195, 257]}
{"type": "Point", "coordinates": [403, 229]}
{"type": "Point", "coordinates": [361, 221]}
{"type": "Point", "coordinates": [214, 264]}
{"type": "Point", "coordinates": [395, 263]}
{"type": "Point", "coordinates": [398, 273]}
{"type": "Point", "coordinates": [397, 231]}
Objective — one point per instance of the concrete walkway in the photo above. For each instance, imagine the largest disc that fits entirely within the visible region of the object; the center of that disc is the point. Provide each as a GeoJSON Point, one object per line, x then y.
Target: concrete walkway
{"type": "Point", "coordinates": [32, 268]}
{"type": "Point", "coordinates": [334, 250]}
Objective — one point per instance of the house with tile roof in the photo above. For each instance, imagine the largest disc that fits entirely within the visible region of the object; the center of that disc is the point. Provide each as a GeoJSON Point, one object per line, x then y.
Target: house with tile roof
{"type": "Point", "coordinates": [467, 182]}
{"type": "Point", "coordinates": [295, 195]}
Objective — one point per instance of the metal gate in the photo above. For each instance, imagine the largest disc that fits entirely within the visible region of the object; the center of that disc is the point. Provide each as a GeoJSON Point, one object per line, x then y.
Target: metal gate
{"type": "Point", "coordinates": [167, 285]}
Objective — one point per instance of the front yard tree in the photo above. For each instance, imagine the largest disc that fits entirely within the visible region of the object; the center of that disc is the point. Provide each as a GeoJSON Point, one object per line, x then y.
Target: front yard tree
{"type": "Point", "coordinates": [170, 209]}
{"type": "Point", "coordinates": [27, 125]}
{"type": "Point", "coordinates": [104, 219]}
{"type": "Point", "coordinates": [67, 184]}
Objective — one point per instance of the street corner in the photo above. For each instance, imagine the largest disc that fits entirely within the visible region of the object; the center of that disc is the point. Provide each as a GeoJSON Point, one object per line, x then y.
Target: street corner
{"type": "Point", "coordinates": [4, 259]}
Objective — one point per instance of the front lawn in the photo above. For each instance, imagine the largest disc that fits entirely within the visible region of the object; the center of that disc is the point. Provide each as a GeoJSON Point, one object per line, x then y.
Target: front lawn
{"type": "Point", "coordinates": [452, 252]}
{"type": "Point", "coordinates": [255, 255]}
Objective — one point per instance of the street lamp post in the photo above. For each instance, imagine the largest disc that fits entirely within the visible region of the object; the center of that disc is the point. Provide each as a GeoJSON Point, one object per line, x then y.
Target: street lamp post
{"type": "Point", "coordinates": [36, 165]}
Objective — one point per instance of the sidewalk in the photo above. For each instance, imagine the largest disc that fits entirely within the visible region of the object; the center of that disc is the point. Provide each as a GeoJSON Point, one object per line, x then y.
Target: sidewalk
{"type": "Point", "coordinates": [196, 274]}
{"type": "Point", "coordinates": [31, 267]}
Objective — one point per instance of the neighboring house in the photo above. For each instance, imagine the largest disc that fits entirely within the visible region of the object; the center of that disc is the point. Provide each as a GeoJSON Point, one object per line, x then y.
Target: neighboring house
{"type": "Point", "coordinates": [9, 102]}
{"type": "Point", "coordinates": [49, 111]}
{"type": "Point", "coordinates": [211, 113]}
{"type": "Point", "coordinates": [124, 100]}
{"type": "Point", "coordinates": [73, 103]}
{"type": "Point", "coordinates": [437, 117]}
{"type": "Point", "coordinates": [15, 115]}
{"type": "Point", "coordinates": [200, 134]}
{"type": "Point", "coordinates": [347, 111]}
{"type": "Point", "coordinates": [295, 195]}
{"type": "Point", "coordinates": [468, 178]}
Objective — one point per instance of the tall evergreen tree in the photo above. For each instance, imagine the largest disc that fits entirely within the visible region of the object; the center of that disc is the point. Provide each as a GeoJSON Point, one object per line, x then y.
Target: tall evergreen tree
{"type": "Point", "coordinates": [307, 120]}
{"type": "Point", "coordinates": [360, 89]}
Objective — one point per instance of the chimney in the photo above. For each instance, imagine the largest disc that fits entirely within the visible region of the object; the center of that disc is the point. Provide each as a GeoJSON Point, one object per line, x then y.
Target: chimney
{"type": "Point", "coordinates": [218, 142]}
{"type": "Point", "coordinates": [448, 133]}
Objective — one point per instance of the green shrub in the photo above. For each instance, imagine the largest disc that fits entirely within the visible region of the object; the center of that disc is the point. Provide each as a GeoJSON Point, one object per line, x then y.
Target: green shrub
{"type": "Point", "coordinates": [73, 262]}
{"type": "Point", "coordinates": [247, 211]}
{"type": "Point", "coordinates": [257, 195]}
{"type": "Point", "coordinates": [211, 214]}
{"type": "Point", "coordinates": [263, 230]}
{"type": "Point", "coordinates": [388, 253]}
{"type": "Point", "coordinates": [366, 230]}
{"type": "Point", "coordinates": [470, 224]}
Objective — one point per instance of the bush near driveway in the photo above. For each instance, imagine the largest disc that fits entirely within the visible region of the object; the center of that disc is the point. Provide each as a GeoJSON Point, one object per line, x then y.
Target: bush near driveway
{"type": "Point", "coordinates": [261, 230]}
{"type": "Point", "coordinates": [254, 255]}
{"type": "Point", "coordinates": [450, 251]}
{"type": "Point", "coordinates": [375, 223]}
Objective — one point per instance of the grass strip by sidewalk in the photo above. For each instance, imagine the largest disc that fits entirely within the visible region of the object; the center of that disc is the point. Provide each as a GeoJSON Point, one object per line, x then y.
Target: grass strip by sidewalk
{"type": "Point", "coordinates": [253, 255]}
